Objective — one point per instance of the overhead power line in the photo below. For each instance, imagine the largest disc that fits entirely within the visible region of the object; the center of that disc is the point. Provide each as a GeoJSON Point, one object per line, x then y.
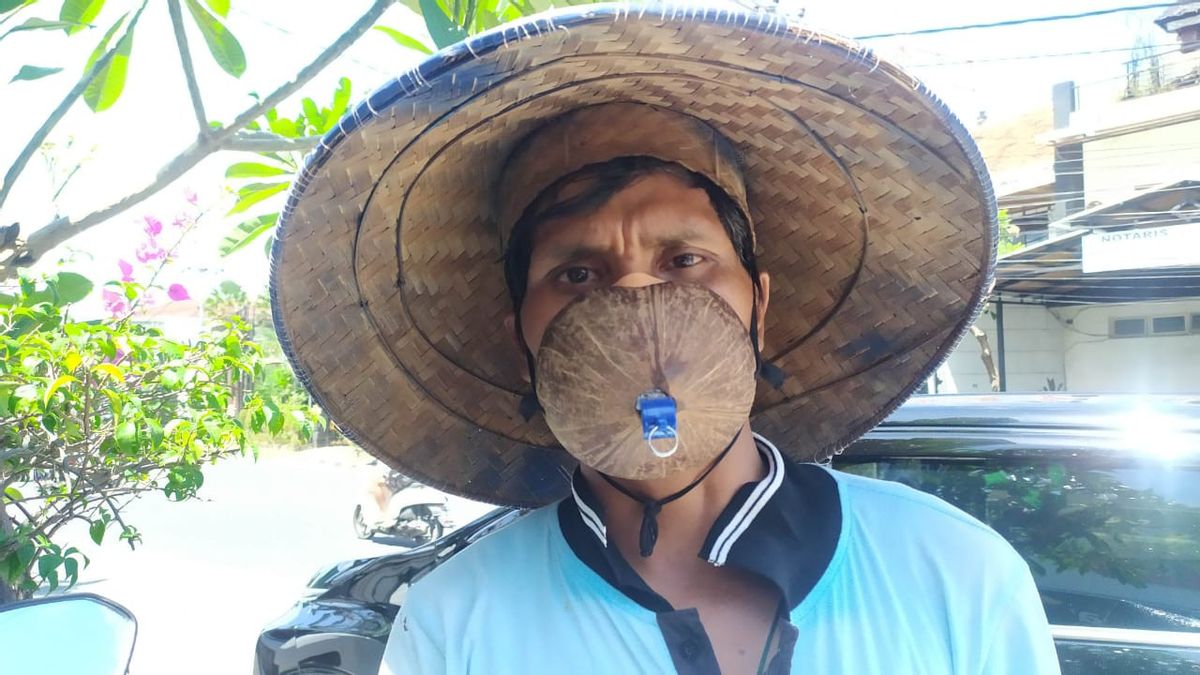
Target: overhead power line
{"type": "Point", "coordinates": [1018, 22]}
{"type": "Point", "coordinates": [1166, 49]}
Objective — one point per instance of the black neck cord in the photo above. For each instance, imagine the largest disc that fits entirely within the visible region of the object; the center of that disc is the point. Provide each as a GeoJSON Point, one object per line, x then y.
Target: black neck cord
{"type": "Point", "coordinates": [648, 535]}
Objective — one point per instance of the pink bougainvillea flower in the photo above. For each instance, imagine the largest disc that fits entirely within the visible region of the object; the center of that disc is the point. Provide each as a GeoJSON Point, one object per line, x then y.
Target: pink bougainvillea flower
{"type": "Point", "coordinates": [180, 222]}
{"type": "Point", "coordinates": [148, 251]}
{"type": "Point", "coordinates": [190, 195]}
{"type": "Point", "coordinates": [114, 303]}
{"type": "Point", "coordinates": [126, 270]}
{"type": "Point", "coordinates": [177, 292]}
{"type": "Point", "coordinates": [153, 226]}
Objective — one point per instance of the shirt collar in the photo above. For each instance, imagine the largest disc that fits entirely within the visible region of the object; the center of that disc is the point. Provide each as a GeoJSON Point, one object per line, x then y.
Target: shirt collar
{"type": "Point", "coordinates": [784, 527]}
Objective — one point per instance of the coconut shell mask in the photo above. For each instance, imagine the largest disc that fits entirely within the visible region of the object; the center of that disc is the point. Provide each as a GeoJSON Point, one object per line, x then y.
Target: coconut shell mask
{"type": "Point", "coordinates": [617, 349]}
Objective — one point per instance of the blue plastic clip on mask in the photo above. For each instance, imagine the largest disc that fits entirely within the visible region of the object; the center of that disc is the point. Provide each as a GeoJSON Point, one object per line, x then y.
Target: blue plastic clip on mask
{"type": "Point", "coordinates": [658, 420]}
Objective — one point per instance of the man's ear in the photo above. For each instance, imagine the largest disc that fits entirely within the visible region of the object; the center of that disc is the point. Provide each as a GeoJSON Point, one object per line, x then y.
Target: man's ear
{"type": "Point", "coordinates": [510, 326]}
{"type": "Point", "coordinates": [764, 298]}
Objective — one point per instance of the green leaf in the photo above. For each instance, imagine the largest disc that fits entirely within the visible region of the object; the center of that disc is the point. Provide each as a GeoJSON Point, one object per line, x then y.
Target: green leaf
{"type": "Point", "coordinates": [13, 494]}
{"type": "Point", "coordinates": [72, 361]}
{"type": "Point", "coordinates": [284, 127]}
{"type": "Point", "coordinates": [403, 40]}
{"type": "Point", "coordinates": [111, 370]}
{"type": "Point", "coordinates": [247, 232]}
{"type": "Point", "coordinates": [39, 24]}
{"type": "Point", "coordinates": [182, 482]}
{"type": "Point", "coordinates": [275, 418]}
{"type": "Point", "coordinates": [28, 72]}
{"type": "Point", "coordinates": [341, 100]}
{"type": "Point", "coordinates": [233, 346]}
{"type": "Point", "coordinates": [71, 567]}
{"type": "Point", "coordinates": [995, 478]}
{"type": "Point", "coordinates": [25, 552]}
{"type": "Point", "coordinates": [311, 112]}
{"type": "Point", "coordinates": [257, 419]}
{"type": "Point", "coordinates": [443, 31]}
{"type": "Point", "coordinates": [223, 46]}
{"type": "Point", "coordinates": [251, 194]}
{"type": "Point", "coordinates": [254, 170]}
{"type": "Point", "coordinates": [102, 46]}
{"type": "Point", "coordinates": [126, 436]}
{"type": "Point", "coordinates": [58, 383]}
{"type": "Point", "coordinates": [156, 433]}
{"type": "Point", "coordinates": [106, 87]}
{"type": "Point", "coordinates": [71, 287]}
{"type": "Point", "coordinates": [47, 563]}
{"type": "Point", "coordinates": [79, 13]}
{"type": "Point", "coordinates": [9, 5]}
{"type": "Point", "coordinates": [108, 347]}
{"type": "Point", "coordinates": [96, 530]}
{"type": "Point", "coordinates": [219, 7]}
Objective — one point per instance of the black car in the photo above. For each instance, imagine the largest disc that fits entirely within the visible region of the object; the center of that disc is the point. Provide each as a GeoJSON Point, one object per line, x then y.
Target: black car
{"type": "Point", "coordinates": [1100, 494]}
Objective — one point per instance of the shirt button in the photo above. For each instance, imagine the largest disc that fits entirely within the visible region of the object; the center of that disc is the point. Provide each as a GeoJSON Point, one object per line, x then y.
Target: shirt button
{"type": "Point", "coordinates": [690, 649]}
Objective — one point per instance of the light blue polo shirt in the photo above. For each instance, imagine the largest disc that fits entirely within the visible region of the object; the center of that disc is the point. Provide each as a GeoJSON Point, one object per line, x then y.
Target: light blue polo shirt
{"type": "Point", "coordinates": [876, 578]}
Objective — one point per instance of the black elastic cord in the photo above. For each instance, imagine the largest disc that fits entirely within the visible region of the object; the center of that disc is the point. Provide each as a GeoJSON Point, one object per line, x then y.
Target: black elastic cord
{"type": "Point", "coordinates": [773, 374]}
{"type": "Point", "coordinates": [648, 535]}
{"type": "Point", "coordinates": [529, 405]}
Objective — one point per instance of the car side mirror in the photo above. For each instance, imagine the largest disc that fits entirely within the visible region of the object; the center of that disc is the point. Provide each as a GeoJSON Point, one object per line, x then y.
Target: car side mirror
{"type": "Point", "coordinates": [77, 634]}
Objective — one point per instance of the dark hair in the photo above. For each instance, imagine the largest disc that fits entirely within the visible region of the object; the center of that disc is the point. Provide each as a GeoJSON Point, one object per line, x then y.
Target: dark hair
{"type": "Point", "coordinates": [606, 179]}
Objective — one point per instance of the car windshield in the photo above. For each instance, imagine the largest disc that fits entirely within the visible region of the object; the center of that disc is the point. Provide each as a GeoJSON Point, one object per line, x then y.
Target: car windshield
{"type": "Point", "coordinates": [1117, 547]}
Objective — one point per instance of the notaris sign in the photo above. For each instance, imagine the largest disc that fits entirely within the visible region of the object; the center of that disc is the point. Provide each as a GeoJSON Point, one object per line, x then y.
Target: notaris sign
{"type": "Point", "coordinates": [1145, 248]}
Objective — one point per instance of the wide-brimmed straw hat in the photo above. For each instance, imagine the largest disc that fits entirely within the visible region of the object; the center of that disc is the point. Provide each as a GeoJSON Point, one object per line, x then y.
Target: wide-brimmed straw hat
{"type": "Point", "coordinates": [871, 208]}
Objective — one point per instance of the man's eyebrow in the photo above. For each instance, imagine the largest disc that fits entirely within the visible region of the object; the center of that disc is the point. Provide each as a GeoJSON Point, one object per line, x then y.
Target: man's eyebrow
{"type": "Point", "coordinates": [566, 251]}
{"type": "Point", "coordinates": [668, 239]}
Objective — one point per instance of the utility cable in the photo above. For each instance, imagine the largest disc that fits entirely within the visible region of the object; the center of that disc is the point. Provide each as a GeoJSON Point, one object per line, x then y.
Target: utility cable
{"type": "Point", "coordinates": [1018, 22]}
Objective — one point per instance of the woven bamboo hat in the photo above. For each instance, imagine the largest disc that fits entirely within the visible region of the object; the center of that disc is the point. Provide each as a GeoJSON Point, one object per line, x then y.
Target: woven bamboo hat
{"type": "Point", "coordinates": [871, 207]}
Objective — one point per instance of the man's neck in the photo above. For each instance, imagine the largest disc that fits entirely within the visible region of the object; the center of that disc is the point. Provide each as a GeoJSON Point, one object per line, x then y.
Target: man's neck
{"type": "Point", "coordinates": [684, 523]}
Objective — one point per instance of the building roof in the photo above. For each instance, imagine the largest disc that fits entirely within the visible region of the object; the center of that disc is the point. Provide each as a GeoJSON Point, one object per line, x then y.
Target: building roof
{"type": "Point", "coordinates": [1018, 163]}
{"type": "Point", "coordinates": [1050, 272]}
{"type": "Point", "coordinates": [1183, 9]}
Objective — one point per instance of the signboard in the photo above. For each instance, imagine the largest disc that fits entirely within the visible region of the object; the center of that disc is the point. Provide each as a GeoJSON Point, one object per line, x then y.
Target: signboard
{"type": "Point", "coordinates": [1145, 248]}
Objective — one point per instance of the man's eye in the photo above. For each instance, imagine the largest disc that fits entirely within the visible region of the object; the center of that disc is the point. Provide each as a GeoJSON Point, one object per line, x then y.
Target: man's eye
{"type": "Point", "coordinates": [686, 260]}
{"type": "Point", "coordinates": [576, 275]}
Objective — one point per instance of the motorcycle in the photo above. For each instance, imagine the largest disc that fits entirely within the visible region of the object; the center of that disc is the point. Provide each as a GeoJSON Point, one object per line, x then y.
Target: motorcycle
{"type": "Point", "coordinates": [398, 507]}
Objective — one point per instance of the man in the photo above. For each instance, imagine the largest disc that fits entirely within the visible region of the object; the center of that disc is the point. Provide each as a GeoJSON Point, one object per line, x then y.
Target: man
{"type": "Point", "coordinates": [620, 178]}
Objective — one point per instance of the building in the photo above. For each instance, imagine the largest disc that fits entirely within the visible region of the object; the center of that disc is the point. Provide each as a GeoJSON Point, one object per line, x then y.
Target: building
{"type": "Point", "coordinates": [1105, 295]}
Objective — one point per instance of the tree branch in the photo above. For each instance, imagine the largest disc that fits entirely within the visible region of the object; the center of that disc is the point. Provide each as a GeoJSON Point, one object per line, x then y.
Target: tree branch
{"type": "Point", "coordinates": [189, 73]}
{"type": "Point", "coordinates": [62, 229]}
{"type": "Point", "coordinates": [56, 115]}
{"type": "Point", "coordinates": [311, 70]}
{"type": "Point", "coordinates": [260, 141]}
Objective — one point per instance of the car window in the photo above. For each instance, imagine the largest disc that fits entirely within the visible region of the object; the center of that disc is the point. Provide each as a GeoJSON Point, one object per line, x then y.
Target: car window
{"type": "Point", "coordinates": [1113, 547]}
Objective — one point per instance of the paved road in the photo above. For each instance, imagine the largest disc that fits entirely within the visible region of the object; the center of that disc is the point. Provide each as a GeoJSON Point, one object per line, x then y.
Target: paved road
{"type": "Point", "coordinates": [211, 572]}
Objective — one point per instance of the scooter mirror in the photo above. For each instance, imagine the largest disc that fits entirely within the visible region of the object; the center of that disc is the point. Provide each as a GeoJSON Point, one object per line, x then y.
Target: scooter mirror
{"type": "Point", "coordinates": [78, 634]}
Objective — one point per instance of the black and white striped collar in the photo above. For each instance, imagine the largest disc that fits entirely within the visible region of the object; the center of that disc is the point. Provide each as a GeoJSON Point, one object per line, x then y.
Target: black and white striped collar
{"type": "Point", "coordinates": [784, 527]}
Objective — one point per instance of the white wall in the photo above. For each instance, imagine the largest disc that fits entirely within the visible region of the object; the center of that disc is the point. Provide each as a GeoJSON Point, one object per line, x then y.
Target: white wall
{"type": "Point", "coordinates": [1115, 167]}
{"type": "Point", "coordinates": [1097, 363]}
{"type": "Point", "coordinates": [1033, 348]}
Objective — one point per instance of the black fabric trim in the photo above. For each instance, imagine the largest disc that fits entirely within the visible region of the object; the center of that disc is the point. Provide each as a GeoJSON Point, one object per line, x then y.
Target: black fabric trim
{"type": "Point", "coordinates": [792, 541]}
{"type": "Point", "coordinates": [688, 643]}
{"type": "Point", "coordinates": [606, 562]}
{"type": "Point", "coordinates": [789, 543]}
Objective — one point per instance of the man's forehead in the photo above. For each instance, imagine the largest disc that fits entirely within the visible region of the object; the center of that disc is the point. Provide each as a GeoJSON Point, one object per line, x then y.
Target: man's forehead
{"type": "Point", "coordinates": [649, 212]}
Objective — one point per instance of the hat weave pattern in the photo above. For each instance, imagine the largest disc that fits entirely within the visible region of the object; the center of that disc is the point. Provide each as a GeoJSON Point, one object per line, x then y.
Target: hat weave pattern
{"type": "Point", "coordinates": [872, 212]}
